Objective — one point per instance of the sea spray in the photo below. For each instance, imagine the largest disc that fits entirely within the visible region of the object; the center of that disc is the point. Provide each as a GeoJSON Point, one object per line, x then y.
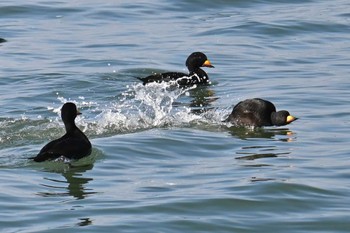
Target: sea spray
{"type": "Point", "coordinates": [137, 108]}
{"type": "Point", "coordinates": [156, 102]}
{"type": "Point", "coordinates": [141, 107]}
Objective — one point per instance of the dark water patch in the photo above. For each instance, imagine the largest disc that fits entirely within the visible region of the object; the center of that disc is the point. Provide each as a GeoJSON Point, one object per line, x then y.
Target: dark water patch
{"type": "Point", "coordinates": [258, 156]}
{"type": "Point", "coordinates": [224, 4]}
{"type": "Point", "coordinates": [35, 11]}
{"type": "Point", "coordinates": [74, 183]}
{"type": "Point", "coordinates": [269, 133]}
{"type": "Point", "coordinates": [282, 29]}
{"type": "Point", "coordinates": [260, 152]}
{"type": "Point", "coordinates": [155, 189]}
{"type": "Point", "coordinates": [345, 15]}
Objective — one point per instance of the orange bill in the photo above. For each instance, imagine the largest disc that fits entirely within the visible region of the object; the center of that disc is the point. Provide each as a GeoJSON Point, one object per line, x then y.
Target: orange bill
{"type": "Point", "coordinates": [207, 64]}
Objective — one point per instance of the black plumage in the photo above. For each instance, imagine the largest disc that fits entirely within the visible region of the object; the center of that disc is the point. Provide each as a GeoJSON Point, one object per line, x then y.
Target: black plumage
{"type": "Point", "coordinates": [257, 113]}
{"type": "Point", "coordinates": [195, 76]}
{"type": "Point", "coordinates": [73, 145]}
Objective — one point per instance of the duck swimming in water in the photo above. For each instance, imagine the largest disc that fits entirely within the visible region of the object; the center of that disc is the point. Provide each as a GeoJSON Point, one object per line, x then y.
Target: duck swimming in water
{"type": "Point", "coordinates": [257, 113]}
{"type": "Point", "coordinates": [195, 76]}
{"type": "Point", "coordinates": [73, 145]}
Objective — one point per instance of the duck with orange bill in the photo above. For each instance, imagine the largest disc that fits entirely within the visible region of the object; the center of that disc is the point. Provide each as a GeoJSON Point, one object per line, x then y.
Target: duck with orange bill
{"type": "Point", "coordinates": [196, 75]}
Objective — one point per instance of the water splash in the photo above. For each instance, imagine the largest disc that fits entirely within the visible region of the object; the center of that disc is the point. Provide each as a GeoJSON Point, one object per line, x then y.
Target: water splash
{"type": "Point", "coordinates": [138, 108]}
{"type": "Point", "coordinates": [142, 107]}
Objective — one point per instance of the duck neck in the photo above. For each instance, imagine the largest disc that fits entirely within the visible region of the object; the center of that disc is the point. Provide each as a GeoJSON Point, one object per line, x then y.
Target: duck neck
{"type": "Point", "coordinates": [70, 126]}
{"type": "Point", "coordinates": [277, 119]}
{"type": "Point", "coordinates": [201, 73]}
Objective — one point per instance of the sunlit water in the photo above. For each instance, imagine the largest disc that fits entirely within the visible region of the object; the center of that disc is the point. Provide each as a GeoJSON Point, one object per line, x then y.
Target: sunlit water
{"type": "Point", "coordinates": [162, 159]}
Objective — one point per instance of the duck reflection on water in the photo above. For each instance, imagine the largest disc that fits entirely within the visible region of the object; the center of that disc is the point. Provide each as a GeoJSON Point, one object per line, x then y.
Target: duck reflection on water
{"type": "Point", "coordinates": [75, 183]}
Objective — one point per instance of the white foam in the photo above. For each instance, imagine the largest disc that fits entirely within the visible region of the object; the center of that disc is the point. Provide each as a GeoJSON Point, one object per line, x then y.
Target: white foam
{"type": "Point", "coordinates": [138, 108]}
{"type": "Point", "coordinates": [142, 107]}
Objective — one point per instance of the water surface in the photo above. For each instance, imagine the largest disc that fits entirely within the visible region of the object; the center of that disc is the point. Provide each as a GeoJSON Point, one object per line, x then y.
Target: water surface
{"type": "Point", "coordinates": [162, 159]}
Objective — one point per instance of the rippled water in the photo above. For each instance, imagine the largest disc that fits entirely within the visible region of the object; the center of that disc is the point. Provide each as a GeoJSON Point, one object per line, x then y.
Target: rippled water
{"type": "Point", "coordinates": [162, 159]}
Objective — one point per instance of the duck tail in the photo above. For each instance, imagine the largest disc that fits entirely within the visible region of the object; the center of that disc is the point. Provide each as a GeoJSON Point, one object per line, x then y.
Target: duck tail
{"type": "Point", "coordinates": [141, 79]}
